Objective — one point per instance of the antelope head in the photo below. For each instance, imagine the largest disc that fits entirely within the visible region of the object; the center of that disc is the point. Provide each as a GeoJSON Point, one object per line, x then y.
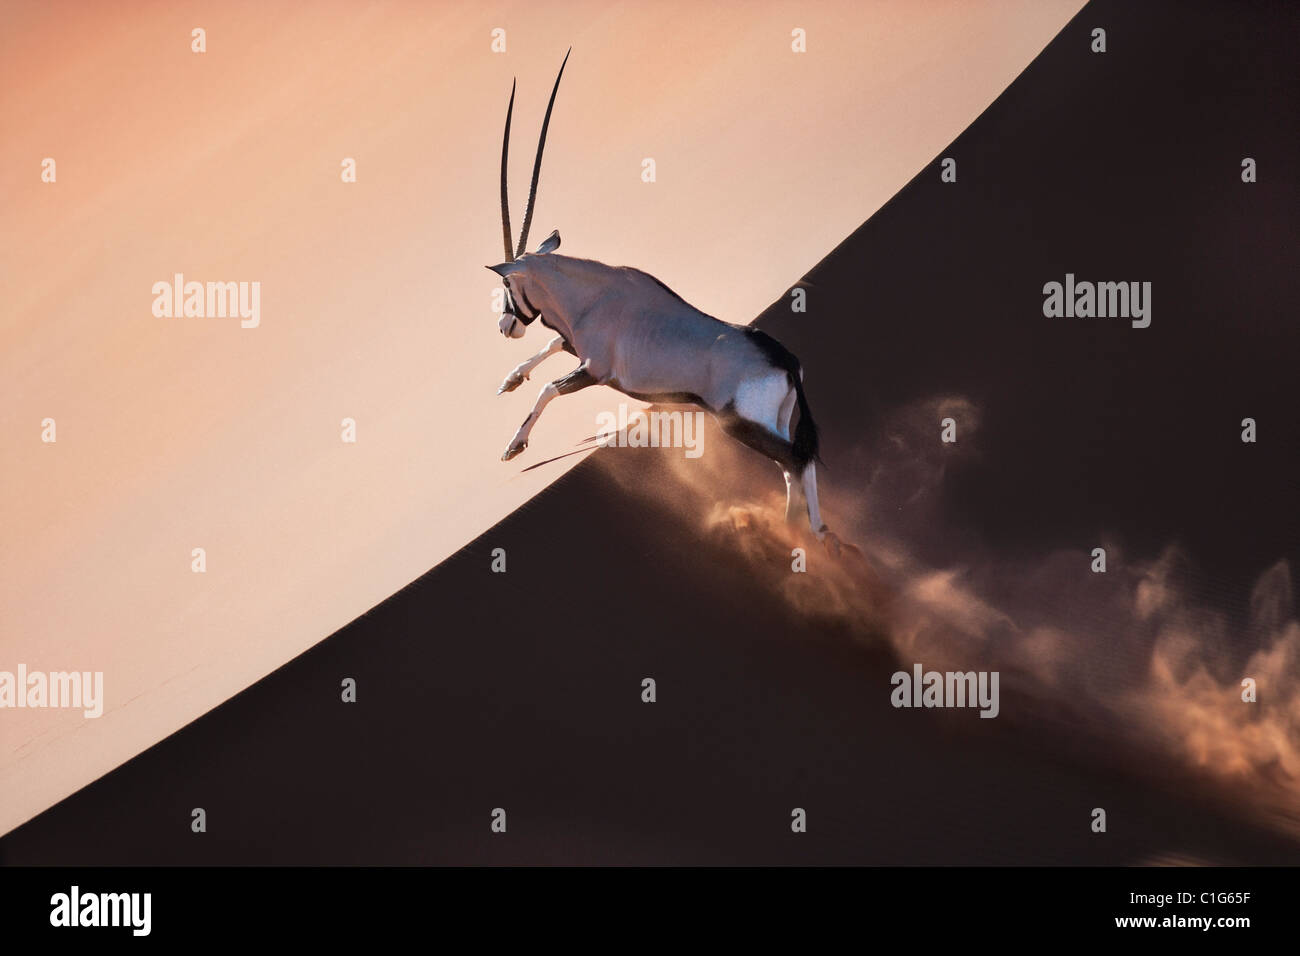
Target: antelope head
{"type": "Point", "coordinates": [518, 312]}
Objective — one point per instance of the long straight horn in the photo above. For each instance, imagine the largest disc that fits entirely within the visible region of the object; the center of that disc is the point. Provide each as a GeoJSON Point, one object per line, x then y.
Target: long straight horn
{"type": "Point", "coordinates": [537, 165]}
{"type": "Point", "coordinates": [505, 193]}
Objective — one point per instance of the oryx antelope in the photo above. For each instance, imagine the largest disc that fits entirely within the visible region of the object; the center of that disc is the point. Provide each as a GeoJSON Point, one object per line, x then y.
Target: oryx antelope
{"type": "Point", "coordinates": [631, 332]}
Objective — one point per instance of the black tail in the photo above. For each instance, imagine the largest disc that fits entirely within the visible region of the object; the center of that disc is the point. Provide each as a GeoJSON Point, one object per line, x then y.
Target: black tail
{"type": "Point", "coordinates": [806, 444]}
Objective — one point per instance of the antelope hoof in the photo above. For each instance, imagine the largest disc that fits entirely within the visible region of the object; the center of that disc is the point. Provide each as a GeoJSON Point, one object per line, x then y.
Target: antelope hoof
{"type": "Point", "coordinates": [513, 450]}
{"type": "Point", "coordinates": [512, 382]}
{"type": "Point", "coordinates": [837, 547]}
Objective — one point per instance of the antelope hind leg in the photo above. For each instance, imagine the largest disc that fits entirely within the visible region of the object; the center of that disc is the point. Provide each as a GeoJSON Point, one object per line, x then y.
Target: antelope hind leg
{"type": "Point", "coordinates": [764, 440]}
{"type": "Point", "coordinates": [793, 488]}
{"type": "Point", "coordinates": [793, 494]}
{"type": "Point", "coordinates": [809, 480]}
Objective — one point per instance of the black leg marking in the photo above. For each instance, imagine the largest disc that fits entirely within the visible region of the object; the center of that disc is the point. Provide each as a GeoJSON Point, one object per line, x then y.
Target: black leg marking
{"type": "Point", "coordinates": [576, 380]}
{"type": "Point", "coordinates": [764, 442]}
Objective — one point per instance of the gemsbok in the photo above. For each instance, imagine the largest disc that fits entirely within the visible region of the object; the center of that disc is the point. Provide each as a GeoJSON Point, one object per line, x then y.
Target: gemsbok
{"type": "Point", "coordinates": [631, 332]}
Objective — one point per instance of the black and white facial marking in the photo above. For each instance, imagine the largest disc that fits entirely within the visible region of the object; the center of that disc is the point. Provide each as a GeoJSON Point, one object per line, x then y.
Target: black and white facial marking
{"type": "Point", "coordinates": [519, 311]}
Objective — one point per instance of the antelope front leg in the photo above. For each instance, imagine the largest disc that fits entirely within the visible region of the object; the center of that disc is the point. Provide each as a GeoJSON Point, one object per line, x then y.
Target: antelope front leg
{"type": "Point", "coordinates": [520, 374]}
{"type": "Point", "coordinates": [579, 378]}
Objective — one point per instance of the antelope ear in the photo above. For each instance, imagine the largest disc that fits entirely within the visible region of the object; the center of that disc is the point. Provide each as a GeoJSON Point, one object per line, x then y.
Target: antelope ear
{"type": "Point", "coordinates": [504, 269]}
{"type": "Point", "coordinates": [550, 244]}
